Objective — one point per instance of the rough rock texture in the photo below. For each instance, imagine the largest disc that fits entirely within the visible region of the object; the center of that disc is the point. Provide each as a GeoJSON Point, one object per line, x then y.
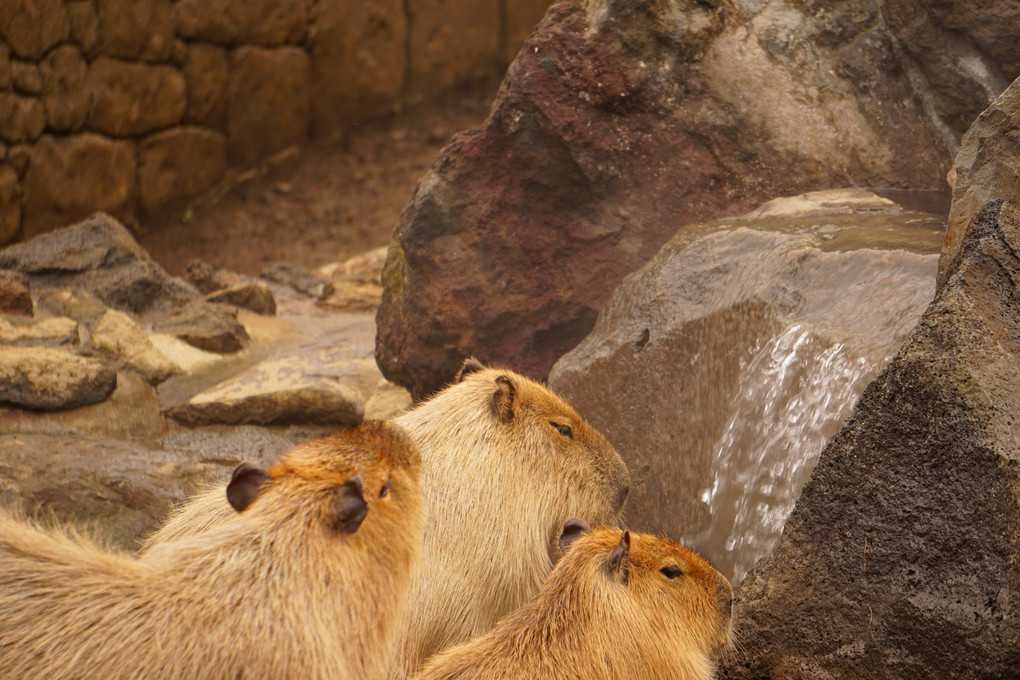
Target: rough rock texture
{"type": "Point", "coordinates": [268, 101]}
{"type": "Point", "coordinates": [323, 387]}
{"type": "Point", "coordinates": [179, 163]}
{"type": "Point", "coordinates": [206, 72]}
{"type": "Point", "coordinates": [254, 296]}
{"type": "Point", "coordinates": [902, 556]}
{"type": "Point", "coordinates": [358, 62]}
{"type": "Point", "coordinates": [65, 95]}
{"type": "Point", "coordinates": [721, 368]}
{"type": "Point", "coordinates": [136, 29]}
{"type": "Point", "coordinates": [15, 294]}
{"type": "Point", "coordinates": [31, 27]}
{"type": "Point", "coordinates": [119, 339]}
{"type": "Point", "coordinates": [22, 119]}
{"type": "Point", "coordinates": [987, 167]}
{"type": "Point", "coordinates": [52, 332]}
{"type": "Point", "coordinates": [70, 178]}
{"type": "Point", "coordinates": [615, 125]}
{"type": "Point", "coordinates": [99, 256]}
{"type": "Point", "coordinates": [130, 98]}
{"type": "Point", "coordinates": [50, 379]}
{"type": "Point", "coordinates": [210, 327]}
{"type": "Point", "coordinates": [10, 205]}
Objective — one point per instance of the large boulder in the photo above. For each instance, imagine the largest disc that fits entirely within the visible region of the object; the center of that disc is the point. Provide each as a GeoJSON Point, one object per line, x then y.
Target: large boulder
{"type": "Point", "coordinates": [721, 368]}
{"type": "Point", "coordinates": [987, 167]}
{"type": "Point", "coordinates": [902, 556]}
{"type": "Point", "coordinates": [617, 123]}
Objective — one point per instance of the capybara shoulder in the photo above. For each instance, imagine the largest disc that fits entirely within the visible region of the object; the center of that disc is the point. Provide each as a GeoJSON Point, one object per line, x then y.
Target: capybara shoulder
{"type": "Point", "coordinates": [619, 605]}
{"type": "Point", "coordinates": [306, 578]}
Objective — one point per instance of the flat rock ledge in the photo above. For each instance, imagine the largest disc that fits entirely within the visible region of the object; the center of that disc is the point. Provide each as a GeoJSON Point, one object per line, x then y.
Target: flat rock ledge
{"type": "Point", "coordinates": [49, 379]}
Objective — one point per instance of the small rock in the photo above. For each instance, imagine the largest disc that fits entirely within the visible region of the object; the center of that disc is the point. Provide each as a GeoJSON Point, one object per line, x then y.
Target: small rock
{"type": "Point", "coordinates": [323, 387]}
{"type": "Point", "coordinates": [354, 296]}
{"type": "Point", "coordinates": [120, 340]}
{"type": "Point", "coordinates": [51, 380]}
{"type": "Point", "coordinates": [299, 279]}
{"type": "Point", "coordinates": [208, 326]}
{"type": "Point", "coordinates": [48, 332]}
{"type": "Point", "coordinates": [15, 294]}
{"type": "Point", "coordinates": [254, 296]}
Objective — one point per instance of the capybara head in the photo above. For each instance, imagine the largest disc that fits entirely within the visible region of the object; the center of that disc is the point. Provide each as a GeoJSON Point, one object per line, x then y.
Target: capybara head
{"type": "Point", "coordinates": [336, 482]}
{"type": "Point", "coordinates": [669, 594]}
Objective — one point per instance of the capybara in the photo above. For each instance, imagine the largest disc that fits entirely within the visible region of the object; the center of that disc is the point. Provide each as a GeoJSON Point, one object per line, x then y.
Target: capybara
{"type": "Point", "coordinates": [618, 606]}
{"type": "Point", "coordinates": [505, 462]}
{"type": "Point", "coordinates": [306, 579]}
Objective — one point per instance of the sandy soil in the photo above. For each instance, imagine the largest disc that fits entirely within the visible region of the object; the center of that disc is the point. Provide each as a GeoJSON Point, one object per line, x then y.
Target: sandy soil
{"type": "Point", "coordinates": [332, 202]}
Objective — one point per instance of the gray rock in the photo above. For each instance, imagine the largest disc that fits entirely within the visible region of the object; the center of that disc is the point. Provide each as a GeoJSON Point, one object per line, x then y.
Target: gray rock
{"type": "Point", "coordinates": [253, 296]}
{"type": "Point", "coordinates": [298, 278]}
{"type": "Point", "coordinates": [900, 558]}
{"type": "Point", "coordinates": [207, 326]}
{"type": "Point", "coordinates": [49, 379]}
{"type": "Point", "coordinates": [118, 339]}
{"type": "Point", "coordinates": [52, 332]}
{"type": "Point", "coordinates": [720, 369]}
{"type": "Point", "coordinates": [323, 387]}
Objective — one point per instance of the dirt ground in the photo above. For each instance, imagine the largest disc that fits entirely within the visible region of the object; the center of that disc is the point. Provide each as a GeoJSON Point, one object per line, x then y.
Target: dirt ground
{"type": "Point", "coordinates": [329, 203]}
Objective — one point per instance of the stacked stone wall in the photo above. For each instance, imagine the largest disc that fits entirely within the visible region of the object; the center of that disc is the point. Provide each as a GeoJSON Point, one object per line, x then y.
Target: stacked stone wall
{"type": "Point", "coordinates": [129, 105]}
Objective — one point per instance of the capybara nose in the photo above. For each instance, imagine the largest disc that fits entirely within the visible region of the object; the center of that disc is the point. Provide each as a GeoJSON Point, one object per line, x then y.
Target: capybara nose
{"type": "Point", "coordinates": [621, 496]}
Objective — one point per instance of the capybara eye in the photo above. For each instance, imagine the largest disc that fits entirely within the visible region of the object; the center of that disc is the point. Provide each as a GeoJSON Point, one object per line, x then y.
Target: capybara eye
{"type": "Point", "coordinates": [385, 488]}
{"type": "Point", "coordinates": [671, 572]}
{"type": "Point", "coordinates": [563, 429]}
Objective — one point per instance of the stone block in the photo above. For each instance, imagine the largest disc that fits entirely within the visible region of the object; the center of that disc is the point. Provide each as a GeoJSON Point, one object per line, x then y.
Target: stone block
{"type": "Point", "coordinates": [10, 205]}
{"type": "Point", "coordinates": [215, 21]}
{"type": "Point", "coordinates": [25, 76]}
{"type": "Point", "coordinates": [268, 101]}
{"type": "Point", "coordinates": [22, 119]}
{"type": "Point", "coordinates": [136, 29]}
{"type": "Point", "coordinates": [178, 163]}
{"type": "Point", "coordinates": [358, 62]}
{"type": "Point", "coordinates": [451, 42]}
{"type": "Point", "coordinates": [31, 27]}
{"type": "Point", "coordinates": [50, 379]}
{"type": "Point", "coordinates": [65, 95]}
{"type": "Point", "coordinates": [131, 99]}
{"type": "Point", "coordinates": [70, 178]}
{"type": "Point", "coordinates": [84, 27]}
{"type": "Point", "coordinates": [206, 72]}
{"type": "Point", "coordinates": [276, 22]}
{"type": "Point", "coordinates": [5, 66]}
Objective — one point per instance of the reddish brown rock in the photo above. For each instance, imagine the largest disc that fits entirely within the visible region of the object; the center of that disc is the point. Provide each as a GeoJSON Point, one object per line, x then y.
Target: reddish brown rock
{"type": "Point", "coordinates": [10, 205]}
{"type": "Point", "coordinates": [276, 22]}
{"type": "Point", "coordinates": [15, 294]}
{"type": "Point", "coordinates": [358, 62]}
{"type": "Point", "coordinates": [206, 72]}
{"type": "Point", "coordinates": [216, 21]}
{"type": "Point", "coordinates": [451, 42]}
{"type": "Point", "coordinates": [22, 119]}
{"type": "Point", "coordinates": [262, 22]}
{"type": "Point", "coordinates": [131, 99]}
{"type": "Point", "coordinates": [987, 168]}
{"type": "Point", "coordinates": [18, 158]}
{"type": "Point", "coordinates": [84, 26]}
{"type": "Point", "coordinates": [5, 66]}
{"type": "Point", "coordinates": [614, 127]}
{"type": "Point", "coordinates": [65, 95]}
{"type": "Point", "coordinates": [268, 101]}
{"type": "Point", "coordinates": [136, 29]}
{"type": "Point", "coordinates": [178, 163]}
{"type": "Point", "coordinates": [31, 27]}
{"type": "Point", "coordinates": [25, 76]}
{"type": "Point", "coordinates": [70, 178]}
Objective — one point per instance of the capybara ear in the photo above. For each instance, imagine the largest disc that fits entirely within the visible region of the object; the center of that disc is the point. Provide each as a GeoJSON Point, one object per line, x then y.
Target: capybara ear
{"type": "Point", "coordinates": [245, 485]}
{"type": "Point", "coordinates": [616, 565]}
{"type": "Point", "coordinates": [347, 508]}
{"type": "Point", "coordinates": [572, 530]}
{"type": "Point", "coordinates": [469, 366]}
{"type": "Point", "coordinates": [503, 398]}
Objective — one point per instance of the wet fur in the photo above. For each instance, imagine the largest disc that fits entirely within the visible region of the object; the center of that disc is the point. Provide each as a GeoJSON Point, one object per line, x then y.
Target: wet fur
{"type": "Point", "coordinates": [273, 591]}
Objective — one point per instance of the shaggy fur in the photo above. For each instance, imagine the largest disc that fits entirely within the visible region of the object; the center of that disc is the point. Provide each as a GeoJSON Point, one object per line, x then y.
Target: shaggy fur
{"type": "Point", "coordinates": [499, 478]}
{"type": "Point", "coordinates": [600, 617]}
{"type": "Point", "coordinates": [273, 591]}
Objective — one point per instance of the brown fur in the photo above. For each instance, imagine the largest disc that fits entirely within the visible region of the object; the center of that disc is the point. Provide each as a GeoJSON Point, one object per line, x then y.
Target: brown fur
{"type": "Point", "coordinates": [599, 620]}
{"type": "Point", "coordinates": [282, 589]}
{"type": "Point", "coordinates": [498, 481]}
